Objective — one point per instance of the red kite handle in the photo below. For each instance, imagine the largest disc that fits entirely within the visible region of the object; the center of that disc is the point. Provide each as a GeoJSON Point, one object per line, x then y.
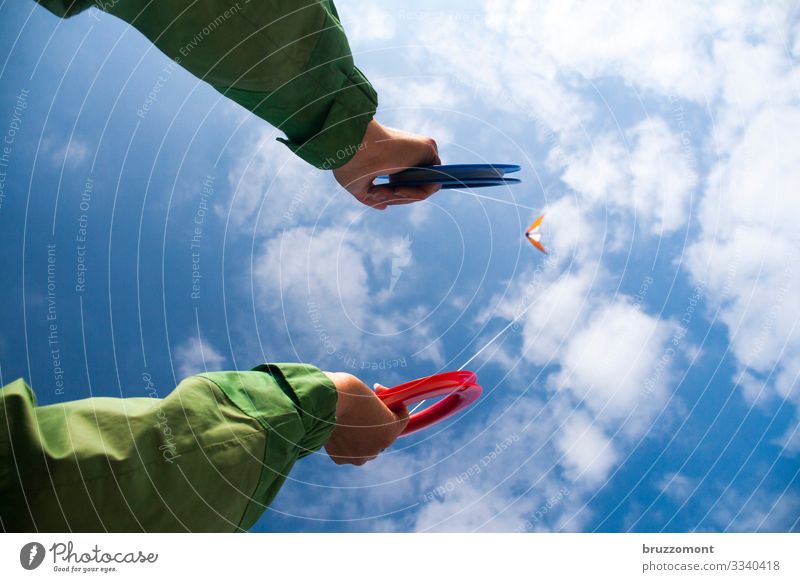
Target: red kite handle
{"type": "Point", "coordinates": [459, 388]}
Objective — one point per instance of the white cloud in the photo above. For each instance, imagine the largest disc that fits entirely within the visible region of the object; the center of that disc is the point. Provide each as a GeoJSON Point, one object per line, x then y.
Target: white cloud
{"type": "Point", "coordinates": [468, 508]}
{"type": "Point", "coordinates": [72, 153]}
{"type": "Point", "coordinates": [273, 188]}
{"type": "Point", "coordinates": [606, 366]}
{"type": "Point", "coordinates": [410, 93]}
{"type": "Point", "coordinates": [319, 280]}
{"type": "Point", "coordinates": [419, 214]}
{"type": "Point", "coordinates": [749, 253]}
{"type": "Point", "coordinates": [653, 179]}
{"type": "Point", "coordinates": [659, 46]}
{"type": "Point", "coordinates": [324, 267]}
{"type": "Point", "coordinates": [559, 310]}
{"type": "Point", "coordinates": [796, 45]}
{"type": "Point", "coordinates": [501, 479]}
{"type": "Point", "coordinates": [571, 233]}
{"type": "Point", "coordinates": [366, 23]}
{"type": "Point", "coordinates": [420, 106]}
{"type": "Point", "coordinates": [789, 441]}
{"type": "Point", "coordinates": [677, 487]}
{"type": "Point", "coordinates": [760, 511]}
{"type": "Point", "coordinates": [195, 355]}
{"type": "Point", "coordinates": [669, 49]}
{"type": "Point", "coordinates": [589, 455]}
{"type": "Point", "coordinates": [598, 174]}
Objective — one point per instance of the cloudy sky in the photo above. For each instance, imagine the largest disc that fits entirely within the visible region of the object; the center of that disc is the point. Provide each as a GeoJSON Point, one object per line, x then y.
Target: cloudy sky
{"type": "Point", "coordinates": [643, 376]}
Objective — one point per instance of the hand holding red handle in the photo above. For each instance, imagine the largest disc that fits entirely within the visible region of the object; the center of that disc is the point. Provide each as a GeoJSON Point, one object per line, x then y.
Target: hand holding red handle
{"type": "Point", "coordinates": [459, 388]}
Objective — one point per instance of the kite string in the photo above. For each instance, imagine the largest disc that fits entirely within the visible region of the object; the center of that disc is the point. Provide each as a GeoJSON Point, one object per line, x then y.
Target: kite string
{"type": "Point", "coordinates": [483, 196]}
{"type": "Point", "coordinates": [513, 321]}
{"type": "Point", "coordinates": [486, 345]}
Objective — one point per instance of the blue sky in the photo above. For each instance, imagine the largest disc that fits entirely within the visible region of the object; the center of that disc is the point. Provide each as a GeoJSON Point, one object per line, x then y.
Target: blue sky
{"type": "Point", "coordinates": [649, 381]}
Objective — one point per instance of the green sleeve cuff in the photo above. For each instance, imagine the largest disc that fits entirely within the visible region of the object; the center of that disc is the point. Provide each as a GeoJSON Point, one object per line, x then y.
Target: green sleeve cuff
{"type": "Point", "coordinates": [301, 411]}
{"type": "Point", "coordinates": [342, 130]}
{"type": "Point", "coordinates": [314, 397]}
{"type": "Point", "coordinates": [65, 8]}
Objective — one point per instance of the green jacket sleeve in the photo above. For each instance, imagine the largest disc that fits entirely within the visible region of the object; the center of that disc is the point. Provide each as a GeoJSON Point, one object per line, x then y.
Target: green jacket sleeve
{"type": "Point", "coordinates": [287, 61]}
{"type": "Point", "coordinates": [210, 456]}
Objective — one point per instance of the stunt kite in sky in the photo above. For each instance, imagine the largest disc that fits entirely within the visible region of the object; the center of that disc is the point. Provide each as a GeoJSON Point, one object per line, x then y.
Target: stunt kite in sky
{"type": "Point", "coordinates": [534, 234]}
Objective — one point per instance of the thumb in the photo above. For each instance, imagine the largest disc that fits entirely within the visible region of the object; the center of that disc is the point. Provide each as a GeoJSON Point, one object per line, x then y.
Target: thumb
{"type": "Point", "coordinates": [401, 413]}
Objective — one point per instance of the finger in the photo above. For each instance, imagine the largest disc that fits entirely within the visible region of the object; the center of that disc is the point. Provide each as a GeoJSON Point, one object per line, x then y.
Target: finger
{"type": "Point", "coordinates": [401, 413]}
{"type": "Point", "coordinates": [377, 196]}
{"type": "Point", "coordinates": [379, 388]}
{"type": "Point", "coordinates": [379, 192]}
{"type": "Point", "coordinates": [430, 154]}
{"type": "Point", "coordinates": [435, 160]}
{"type": "Point", "coordinates": [375, 204]}
{"type": "Point", "coordinates": [431, 188]}
{"type": "Point", "coordinates": [402, 418]}
{"type": "Point", "coordinates": [398, 413]}
{"type": "Point", "coordinates": [365, 460]}
{"type": "Point", "coordinates": [417, 192]}
{"type": "Point", "coordinates": [409, 194]}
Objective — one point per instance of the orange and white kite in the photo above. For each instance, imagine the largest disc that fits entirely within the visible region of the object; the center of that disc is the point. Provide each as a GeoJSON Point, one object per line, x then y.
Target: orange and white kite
{"type": "Point", "coordinates": [534, 234]}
